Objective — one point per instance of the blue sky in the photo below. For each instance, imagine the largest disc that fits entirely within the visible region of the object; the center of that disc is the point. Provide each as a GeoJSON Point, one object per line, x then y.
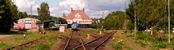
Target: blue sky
{"type": "Point", "coordinates": [94, 8]}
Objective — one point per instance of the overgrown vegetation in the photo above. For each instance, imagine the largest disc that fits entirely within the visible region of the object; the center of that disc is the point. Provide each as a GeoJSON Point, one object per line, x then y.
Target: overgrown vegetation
{"type": "Point", "coordinates": [115, 20]}
{"type": "Point", "coordinates": [150, 13]}
{"type": "Point", "coordinates": [51, 39]}
{"type": "Point", "coordinates": [154, 41]}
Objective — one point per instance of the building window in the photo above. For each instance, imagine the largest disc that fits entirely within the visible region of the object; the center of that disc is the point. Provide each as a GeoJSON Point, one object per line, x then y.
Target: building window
{"type": "Point", "coordinates": [77, 16]}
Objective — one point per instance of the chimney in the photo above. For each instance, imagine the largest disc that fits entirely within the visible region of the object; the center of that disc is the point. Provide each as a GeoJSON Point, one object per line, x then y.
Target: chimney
{"type": "Point", "coordinates": [72, 9]}
{"type": "Point", "coordinates": [83, 9]}
{"type": "Point", "coordinates": [64, 15]}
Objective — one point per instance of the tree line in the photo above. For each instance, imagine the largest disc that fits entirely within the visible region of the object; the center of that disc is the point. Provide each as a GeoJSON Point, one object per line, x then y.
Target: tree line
{"type": "Point", "coordinates": [9, 14]}
{"type": "Point", "coordinates": [148, 14]}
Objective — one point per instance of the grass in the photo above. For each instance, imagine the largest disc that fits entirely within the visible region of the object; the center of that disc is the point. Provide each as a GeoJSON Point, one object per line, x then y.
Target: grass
{"type": "Point", "coordinates": [52, 37]}
{"type": "Point", "coordinates": [118, 46]}
{"type": "Point", "coordinates": [18, 39]}
{"type": "Point", "coordinates": [43, 47]}
{"type": "Point", "coordinates": [171, 45]}
{"type": "Point", "coordinates": [29, 36]}
{"type": "Point", "coordinates": [154, 42]}
{"type": "Point", "coordinates": [82, 33]}
{"type": "Point", "coordinates": [141, 43]}
{"type": "Point", "coordinates": [141, 36]}
{"type": "Point", "coordinates": [4, 45]}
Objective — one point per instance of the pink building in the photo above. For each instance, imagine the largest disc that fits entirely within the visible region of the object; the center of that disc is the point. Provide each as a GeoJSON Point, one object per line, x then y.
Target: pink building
{"type": "Point", "coordinates": [78, 16]}
{"type": "Point", "coordinates": [26, 23]}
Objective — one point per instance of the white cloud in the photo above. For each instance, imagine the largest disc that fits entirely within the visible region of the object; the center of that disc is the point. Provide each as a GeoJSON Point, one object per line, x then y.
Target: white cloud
{"type": "Point", "coordinates": [75, 4]}
{"type": "Point", "coordinates": [94, 8]}
{"type": "Point", "coordinates": [25, 5]}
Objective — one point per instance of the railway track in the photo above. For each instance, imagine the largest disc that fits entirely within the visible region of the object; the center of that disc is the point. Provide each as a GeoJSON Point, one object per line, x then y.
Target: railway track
{"type": "Point", "coordinates": [19, 47]}
{"type": "Point", "coordinates": [78, 44]}
{"type": "Point", "coordinates": [95, 44]}
{"type": "Point", "coordinates": [73, 40]}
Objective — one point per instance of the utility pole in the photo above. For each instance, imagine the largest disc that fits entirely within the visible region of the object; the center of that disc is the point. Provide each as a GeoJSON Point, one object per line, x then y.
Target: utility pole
{"type": "Point", "coordinates": [169, 21]}
{"type": "Point", "coordinates": [135, 19]}
{"type": "Point", "coordinates": [125, 21]}
{"type": "Point", "coordinates": [31, 10]}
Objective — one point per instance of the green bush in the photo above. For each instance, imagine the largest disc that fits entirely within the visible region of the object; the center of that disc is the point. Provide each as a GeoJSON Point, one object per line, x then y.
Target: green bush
{"type": "Point", "coordinates": [140, 36]}
{"type": "Point", "coordinates": [115, 20]}
{"type": "Point", "coordinates": [93, 25]}
{"type": "Point", "coordinates": [171, 45]}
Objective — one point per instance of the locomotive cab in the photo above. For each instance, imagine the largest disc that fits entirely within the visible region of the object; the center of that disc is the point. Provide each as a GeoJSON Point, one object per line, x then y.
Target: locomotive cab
{"type": "Point", "coordinates": [74, 26]}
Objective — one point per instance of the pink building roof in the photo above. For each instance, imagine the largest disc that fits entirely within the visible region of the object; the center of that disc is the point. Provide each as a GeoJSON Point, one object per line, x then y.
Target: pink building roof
{"type": "Point", "coordinates": [82, 13]}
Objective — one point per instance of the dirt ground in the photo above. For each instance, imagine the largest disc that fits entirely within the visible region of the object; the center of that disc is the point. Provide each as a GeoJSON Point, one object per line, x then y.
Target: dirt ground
{"type": "Point", "coordinates": [4, 36]}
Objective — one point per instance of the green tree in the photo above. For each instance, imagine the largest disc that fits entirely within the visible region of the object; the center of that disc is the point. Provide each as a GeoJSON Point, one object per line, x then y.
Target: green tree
{"type": "Point", "coordinates": [115, 20]}
{"type": "Point", "coordinates": [149, 13]}
{"type": "Point", "coordinates": [20, 15]}
{"type": "Point", "coordinates": [43, 12]}
{"type": "Point", "coordinates": [59, 20]}
{"type": "Point", "coordinates": [8, 12]}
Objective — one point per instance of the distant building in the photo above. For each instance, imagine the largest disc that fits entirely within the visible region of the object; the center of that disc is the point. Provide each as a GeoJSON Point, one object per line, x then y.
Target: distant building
{"type": "Point", "coordinates": [78, 16]}
{"type": "Point", "coordinates": [26, 23]}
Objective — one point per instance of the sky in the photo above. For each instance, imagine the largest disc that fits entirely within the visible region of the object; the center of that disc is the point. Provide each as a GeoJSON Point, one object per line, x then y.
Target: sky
{"type": "Point", "coordinates": [94, 8]}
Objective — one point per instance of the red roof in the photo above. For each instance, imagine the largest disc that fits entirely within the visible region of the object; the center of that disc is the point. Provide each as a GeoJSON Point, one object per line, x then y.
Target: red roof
{"type": "Point", "coordinates": [73, 13]}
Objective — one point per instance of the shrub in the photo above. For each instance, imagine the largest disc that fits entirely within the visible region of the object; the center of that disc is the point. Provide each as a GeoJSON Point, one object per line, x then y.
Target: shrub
{"type": "Point", "coordinates": [171, 45]}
